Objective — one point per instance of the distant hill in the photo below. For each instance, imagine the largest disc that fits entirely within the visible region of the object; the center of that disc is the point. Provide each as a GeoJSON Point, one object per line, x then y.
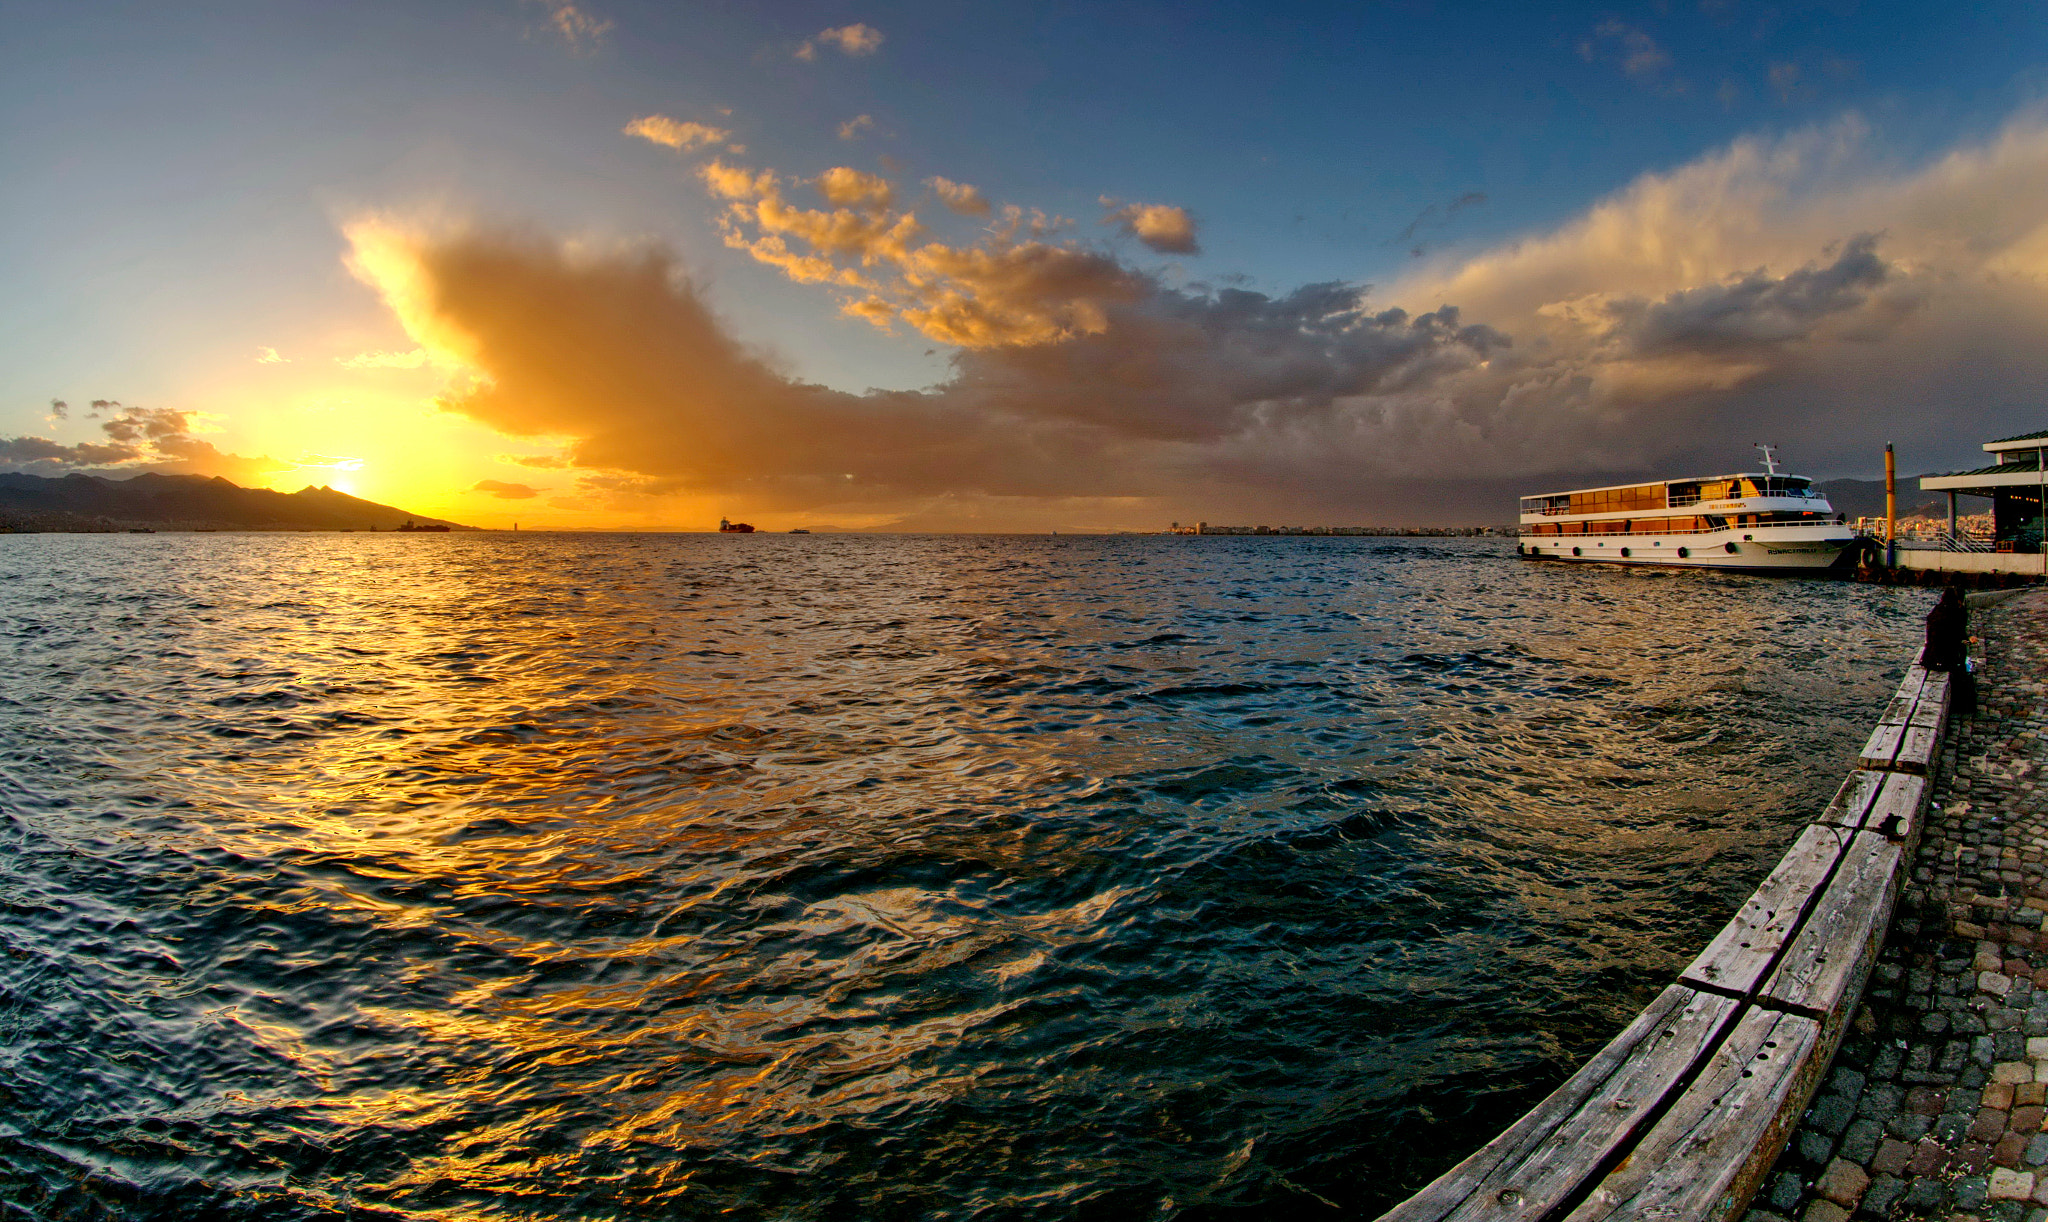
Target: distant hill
{"type": "Point", "coordinates": [79, 502]}
{"type": "Point", "coordinates": [1864, 498]}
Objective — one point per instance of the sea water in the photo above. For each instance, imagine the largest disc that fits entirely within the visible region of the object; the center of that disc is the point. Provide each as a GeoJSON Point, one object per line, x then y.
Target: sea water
{"type": "Point", "coordinates": [824, 877]}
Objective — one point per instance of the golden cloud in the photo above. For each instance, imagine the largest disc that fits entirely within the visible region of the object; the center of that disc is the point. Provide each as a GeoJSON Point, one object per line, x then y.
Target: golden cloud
{"type": "Point", "coordinates": [856, 39]}
{"type": "Point", "coordinates": [580, 29]}
{"type": "Point", "coordinates": [1005, 288]}
{"type": "Point", "coordinates": [506, 491]}
{"type": "Point", "coordinates": [1792, 289]}
{"type": "Point", "coordinates": [676, 133]}
{"type": "Point", "coordinates": [961, 198]}
{"type": "Point", "coordinates": [849, 187]}
{"type": "Point", "coordinates": [1163, 227]}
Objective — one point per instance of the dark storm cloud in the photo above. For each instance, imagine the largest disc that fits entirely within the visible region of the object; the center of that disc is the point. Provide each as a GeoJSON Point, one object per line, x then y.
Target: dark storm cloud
{"type": "Point", "coordinates": [1199, 367]}
{"type": "Point", "coordinates": [1755, 309]}
{"type": "Point", "coordinates": [621, 353]}
{"type": "Point", "coordinates": [23, 450]}
{"type": "Point", "coordinates": [1666, 327]}
{"type": "Point", "coordinates": [138, 439]}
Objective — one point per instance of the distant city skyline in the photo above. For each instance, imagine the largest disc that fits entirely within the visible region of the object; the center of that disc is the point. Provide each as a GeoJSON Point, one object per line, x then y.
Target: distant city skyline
{"type": "Point", "coordinates": [914, 266]}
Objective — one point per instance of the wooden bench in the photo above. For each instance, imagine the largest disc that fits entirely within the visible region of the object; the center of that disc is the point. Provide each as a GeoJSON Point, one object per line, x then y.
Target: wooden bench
{"type": "Point", "coordinates": [1684, 1112]}
{"type": "Point", "coordinates": [1907, 736]}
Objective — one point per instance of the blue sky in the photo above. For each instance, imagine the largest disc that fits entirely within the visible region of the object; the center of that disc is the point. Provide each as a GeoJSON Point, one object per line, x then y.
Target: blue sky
{"type": "Point", "coordinates": [182, 179]}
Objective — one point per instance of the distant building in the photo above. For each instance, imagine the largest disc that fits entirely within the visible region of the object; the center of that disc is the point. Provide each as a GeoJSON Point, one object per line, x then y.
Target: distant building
{"type": "Point", "coordinates": [2014, 486]}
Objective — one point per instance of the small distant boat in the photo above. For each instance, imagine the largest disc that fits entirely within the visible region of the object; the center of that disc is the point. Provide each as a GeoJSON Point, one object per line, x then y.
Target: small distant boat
{"type": "Point", "coordinates": [800, 531]}
{"type": "Point", "coordinates": [734, 528]}
{"type": "Point", "coordinates": [411, 527]}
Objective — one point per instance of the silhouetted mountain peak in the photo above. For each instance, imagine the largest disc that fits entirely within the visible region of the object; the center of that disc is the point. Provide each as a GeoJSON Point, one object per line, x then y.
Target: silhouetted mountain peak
{"type": "Point", "coordinates": [79, 501]}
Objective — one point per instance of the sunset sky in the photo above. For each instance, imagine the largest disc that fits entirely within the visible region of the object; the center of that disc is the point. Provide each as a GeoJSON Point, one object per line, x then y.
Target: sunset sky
{"type": "Point", "coordinates": [969, 267]}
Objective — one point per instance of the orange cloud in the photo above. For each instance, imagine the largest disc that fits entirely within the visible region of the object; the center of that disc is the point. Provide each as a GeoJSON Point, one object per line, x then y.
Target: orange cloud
{"type": "Point", "coordinates": [1006, 288]}
{"type": "Point", "coordinates": [849, 187]}
{"type": "Point", "coordinates": [856, 39]}
{"type": "Point", "coordinates": [961, 198]}
{"type": "Point", "coordinates": [618, 353]}
{"type": "Point", "coordinates": [1163, 227]}
{"type": "Point", "coordinates": [580, 29]}
{"type": "Point", "coordinates": [676, 133]}
{"type": "Point", "coordinates": [1788, 288]}
{"type": "Point", "coordinates": [731, 182]}
{"type": "Point", "coordinates": [855, 126]}
{"type": "Point", "coordinates": [504, 491]}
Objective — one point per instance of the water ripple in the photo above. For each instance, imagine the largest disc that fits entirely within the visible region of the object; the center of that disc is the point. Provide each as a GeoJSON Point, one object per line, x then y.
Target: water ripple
{"type": "Point", "coordinates": [547, 876]}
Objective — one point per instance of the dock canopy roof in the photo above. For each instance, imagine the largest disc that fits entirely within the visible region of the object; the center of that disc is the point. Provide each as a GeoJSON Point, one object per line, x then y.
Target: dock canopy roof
{"type": "Point", "coordinates": [2018, 466]}
{"type": "Point", "coordinates": [2025, 441]}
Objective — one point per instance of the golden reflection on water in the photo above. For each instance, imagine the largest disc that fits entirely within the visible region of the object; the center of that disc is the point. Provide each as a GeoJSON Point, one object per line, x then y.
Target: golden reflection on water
{"type": "Point", "coordinates": [624, 877]}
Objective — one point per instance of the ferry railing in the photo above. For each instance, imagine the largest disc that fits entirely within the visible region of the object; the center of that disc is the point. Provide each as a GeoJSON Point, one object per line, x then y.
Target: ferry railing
{"type": "Point", "coordinates": [1961, 541]}
{"type": "Point", "coordinates": [1680, 500]}
{"type": "Point", "coordinates": [1710, 530]}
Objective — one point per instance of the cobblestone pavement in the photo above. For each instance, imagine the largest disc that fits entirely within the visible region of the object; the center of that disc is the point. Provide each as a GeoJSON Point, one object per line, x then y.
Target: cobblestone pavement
{"type": "Point", "coordinates": [1935, 1104]}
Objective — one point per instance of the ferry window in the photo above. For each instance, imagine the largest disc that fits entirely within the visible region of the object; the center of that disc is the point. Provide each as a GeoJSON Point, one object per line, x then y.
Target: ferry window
{"type": "Point", "coordinates": [1643, 496]}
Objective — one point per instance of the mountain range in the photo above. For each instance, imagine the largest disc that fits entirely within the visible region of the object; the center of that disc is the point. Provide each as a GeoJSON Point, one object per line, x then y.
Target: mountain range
{"type": "Point", "coordinates": [1864, 498]}
{"type": "Point", "coordinates": [80, 502]}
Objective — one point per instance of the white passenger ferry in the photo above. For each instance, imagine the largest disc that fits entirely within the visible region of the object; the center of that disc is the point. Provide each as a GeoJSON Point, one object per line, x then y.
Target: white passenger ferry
{"type": "Point", "coordinates": [1752, 520]}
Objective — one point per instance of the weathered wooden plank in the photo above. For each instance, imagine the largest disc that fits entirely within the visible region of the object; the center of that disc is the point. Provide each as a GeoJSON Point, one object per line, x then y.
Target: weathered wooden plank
{"type": "Point", "coordinates": [1911, 686]}
{"type": "Point", "coordinates": [1826, 907]}
{"type": "Point", "coordinates": [1918, 747]}
{"type": "Point", "coordinates": [1883, 745]}
{"type": "Point", "coordinates": [1704, 1158]}
{"type": "Point", "coordinates": [1830, 960]}
{"type": "Point", "coordinates": [1932, 707]}
{"type": "Point", "coordinates": [1851, 804]}
{"type": "Point", "coordinates": [1742, 951]}
{"type": "Point", "coordinates": [1544, 1157]}
{"type": "Point", "coordinates": [1920, 742]}
{"type": "Point", "coordinates": [1899, 811]}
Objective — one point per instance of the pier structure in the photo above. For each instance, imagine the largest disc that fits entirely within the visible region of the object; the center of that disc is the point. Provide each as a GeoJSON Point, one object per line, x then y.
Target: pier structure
{"type": "Point", "coordinates": [1684, 1114]}
{"type": "Point", "coordinates": [1936, 1101]}
{"type": "Point", "coordinates": [1945, 563]}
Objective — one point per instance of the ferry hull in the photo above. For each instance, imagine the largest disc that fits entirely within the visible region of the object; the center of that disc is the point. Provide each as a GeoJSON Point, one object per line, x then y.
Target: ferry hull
{"type": "Point", "coordinates": [1793, 549]}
